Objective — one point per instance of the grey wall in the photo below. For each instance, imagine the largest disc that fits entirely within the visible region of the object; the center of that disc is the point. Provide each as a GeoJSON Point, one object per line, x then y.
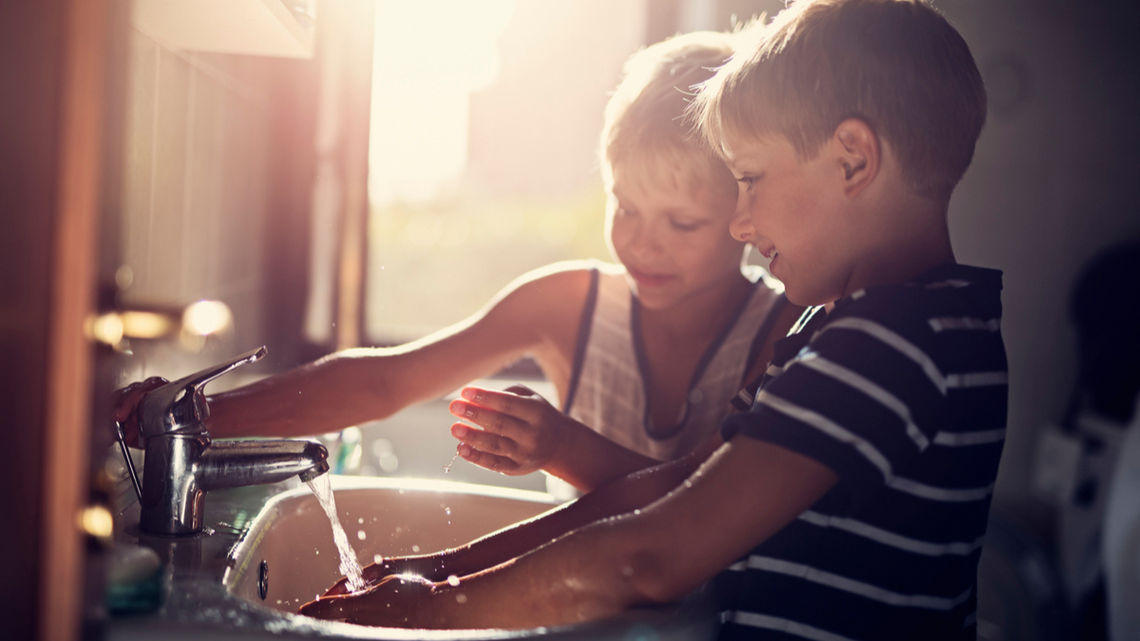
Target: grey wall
{"type": "Point", "coordinates": [1053, 183]}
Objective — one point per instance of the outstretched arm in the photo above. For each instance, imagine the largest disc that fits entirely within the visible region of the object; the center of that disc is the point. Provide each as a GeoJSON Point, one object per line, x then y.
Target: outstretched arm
{"type": "Point", "coordinates": [655, 555]}
{"type": "Point", "coordinates": [622, 496]}
{"type": "Point", "coordinates": [358, 385]}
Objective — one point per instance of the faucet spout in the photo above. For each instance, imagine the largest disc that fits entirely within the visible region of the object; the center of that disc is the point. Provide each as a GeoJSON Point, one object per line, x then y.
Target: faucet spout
{"type": "Point", "coordinates": [239, 463]}
{"type": "Point", "coordinates": [181, 469]}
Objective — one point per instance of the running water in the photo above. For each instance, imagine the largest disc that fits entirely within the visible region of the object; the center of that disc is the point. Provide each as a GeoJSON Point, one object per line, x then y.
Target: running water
{"type": "Point", "coordinates": [349, 566]}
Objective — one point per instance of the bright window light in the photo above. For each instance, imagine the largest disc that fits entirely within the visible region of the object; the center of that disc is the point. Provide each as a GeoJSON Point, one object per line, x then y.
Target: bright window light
{"type": "Point", "coordinates": [429, 56]}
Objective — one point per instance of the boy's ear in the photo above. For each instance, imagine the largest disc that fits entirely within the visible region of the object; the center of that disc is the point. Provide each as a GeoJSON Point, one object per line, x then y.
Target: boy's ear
{"type": "Point", "coordinates": [858, 155]}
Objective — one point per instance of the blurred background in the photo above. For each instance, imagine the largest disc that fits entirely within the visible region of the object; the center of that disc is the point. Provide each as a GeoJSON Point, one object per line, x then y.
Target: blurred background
{"type": "Point", "coordinates": [362, 172]}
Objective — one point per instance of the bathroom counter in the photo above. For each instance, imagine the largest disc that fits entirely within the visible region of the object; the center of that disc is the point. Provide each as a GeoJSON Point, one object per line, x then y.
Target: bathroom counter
{"type": "Point", "coordinates": [196, 604]}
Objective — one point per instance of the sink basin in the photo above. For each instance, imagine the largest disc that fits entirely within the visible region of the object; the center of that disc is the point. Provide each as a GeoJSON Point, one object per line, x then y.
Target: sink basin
{"type": "Point", "coordinates": [392, 517]}
{"type": "Point", "coordinates": [382, 517]}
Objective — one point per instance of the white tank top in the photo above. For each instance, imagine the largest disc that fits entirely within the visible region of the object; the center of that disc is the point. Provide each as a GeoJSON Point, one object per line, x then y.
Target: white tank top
{"type": "Point", "coordinates": [607, 387]}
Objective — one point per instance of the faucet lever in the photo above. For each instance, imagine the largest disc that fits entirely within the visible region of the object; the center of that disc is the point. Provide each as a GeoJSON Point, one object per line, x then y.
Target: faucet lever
{"type": "Point", "coordinates": [181, 404]}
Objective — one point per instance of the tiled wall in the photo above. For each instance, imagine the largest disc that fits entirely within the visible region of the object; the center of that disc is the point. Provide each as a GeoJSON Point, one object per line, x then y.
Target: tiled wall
{"type": "Point", "coordinates": [195, 192]}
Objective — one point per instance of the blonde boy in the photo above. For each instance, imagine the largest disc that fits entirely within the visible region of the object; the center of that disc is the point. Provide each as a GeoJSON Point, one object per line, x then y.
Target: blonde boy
{"type": "Point", "coordinates": [850, 502]}
{"type": "Point", "coordinates": [645, 353]}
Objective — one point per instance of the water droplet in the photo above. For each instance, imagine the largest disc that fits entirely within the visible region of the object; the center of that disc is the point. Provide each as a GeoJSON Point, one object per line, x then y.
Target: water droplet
{"type": "Point", "coordinates": [360, 520]}
{"type": "Point", "coordinates": [415, 548]}
{"type": "Point", "coordinates": [448, 510]}
{"type": "Point", "coordinates": [688, 483]}
{"type": "Point", "coordinates": [636, 512]}
{"type": "Point", "coordinates": [447, 468]}
{"type": "Point", "coordinates": [361, 535]}
{"type": "Point", "coordinates": [376, 558]}
{"type": "Point", "coordinates": [318, 551]}
{"type": "Point", "coordinates": [452, 580]}
{"type": "Point", "coordinates": [461, 598]}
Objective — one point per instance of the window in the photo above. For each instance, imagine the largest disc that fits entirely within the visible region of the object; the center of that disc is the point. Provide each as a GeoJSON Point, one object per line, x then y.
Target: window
{"type": "Point", "coordinates": [484, 129]}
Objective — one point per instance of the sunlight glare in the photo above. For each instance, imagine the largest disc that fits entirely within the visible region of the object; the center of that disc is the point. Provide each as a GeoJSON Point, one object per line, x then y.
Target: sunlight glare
{"type": "Point", "coordinates": [429, 56]}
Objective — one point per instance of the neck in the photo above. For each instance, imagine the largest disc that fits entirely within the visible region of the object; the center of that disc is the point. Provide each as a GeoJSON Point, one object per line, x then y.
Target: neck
{"type": "Point", "coordinates": [911, 238]}
{"type": "Point", "coordinates": [701, 315]}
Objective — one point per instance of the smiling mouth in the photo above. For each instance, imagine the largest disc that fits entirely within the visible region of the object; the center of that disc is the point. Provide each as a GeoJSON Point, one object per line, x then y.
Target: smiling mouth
{"type": "Point", "coordinates": [649, 280]}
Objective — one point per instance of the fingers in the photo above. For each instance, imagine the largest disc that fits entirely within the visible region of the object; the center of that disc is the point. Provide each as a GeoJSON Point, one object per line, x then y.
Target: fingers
{"type": "Point", "coordinates": [516, 435]}
{"type": "Point", "coordinates": [485, 441]}
{"type": "Point", "coordinates": [338, 588]}
{"type": "Point", "coordinates": [522, 390]}
{"type": "Point", "coordinates": [490, 420]}
{"type": "Point", "coordinates": [371, 573]}
{"type": "Point", "coordinates": [333, 608]}
{"type": "Point", "coordinates": [126, 402]}
{"type": "Point", "coordinates": [127, 399]}
{"type": "Point", "coordinates": [495, 463]}
{"type": "Point", "coordinates": [521, 407]}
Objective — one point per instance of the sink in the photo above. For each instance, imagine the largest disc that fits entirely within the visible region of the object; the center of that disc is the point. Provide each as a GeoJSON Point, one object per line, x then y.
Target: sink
{"type": "Point", "coordinates": [392, 517]}
{"type": "Point", "coordinates": [382, 517]}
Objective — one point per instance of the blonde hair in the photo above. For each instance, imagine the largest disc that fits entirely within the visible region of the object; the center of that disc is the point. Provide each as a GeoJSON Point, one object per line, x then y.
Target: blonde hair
{"type": "Point", "coordinates": [898, 65]}
{"type": "Point", "coordinates": [645, 123]}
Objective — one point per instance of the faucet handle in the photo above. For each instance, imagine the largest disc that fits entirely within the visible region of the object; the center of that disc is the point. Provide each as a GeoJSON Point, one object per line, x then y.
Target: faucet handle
{"type": "Point", "coordinates": [181, 404]}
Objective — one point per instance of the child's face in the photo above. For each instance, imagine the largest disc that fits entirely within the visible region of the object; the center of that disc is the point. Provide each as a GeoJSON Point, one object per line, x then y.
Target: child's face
{"type": "Point", "coordinates": [671, 238]}
{"type": "Point", "coordinates": [792, 212]}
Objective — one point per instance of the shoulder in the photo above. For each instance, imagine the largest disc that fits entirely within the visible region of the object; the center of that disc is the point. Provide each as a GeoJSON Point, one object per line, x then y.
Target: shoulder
{"type": "Point", "coordinates": [947, 321]}
{"type": "Point", "coordinates": [949, 295]}
{"type": "Point", "coordinates": [551, 291]}
{"type": "Point", "coordinates": [570, 275]}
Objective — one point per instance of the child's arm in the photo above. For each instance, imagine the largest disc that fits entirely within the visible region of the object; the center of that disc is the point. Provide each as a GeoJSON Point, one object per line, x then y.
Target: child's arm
{"type": "Point", "coordinates": [619, 497]}
{"type": "Point", "coordinates": [656, 555]}
{"type": "Point", "coordinates": [358, 385]}
{"type": "Point", "coordinates": [520, 435]}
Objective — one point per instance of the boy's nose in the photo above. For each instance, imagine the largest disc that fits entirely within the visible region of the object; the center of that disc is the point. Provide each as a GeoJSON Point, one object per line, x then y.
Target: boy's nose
{"type": "Point", "coordinates": [644, 241]}
{"type": "Point", "coordinates": [741, 225]}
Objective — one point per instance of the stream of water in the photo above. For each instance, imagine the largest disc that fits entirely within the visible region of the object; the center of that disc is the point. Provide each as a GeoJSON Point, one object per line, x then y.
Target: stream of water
{"type": "Point", "coordinates": [349, 565]}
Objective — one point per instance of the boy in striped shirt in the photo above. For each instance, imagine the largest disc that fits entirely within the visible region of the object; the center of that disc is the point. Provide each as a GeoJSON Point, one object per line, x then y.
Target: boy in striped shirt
{"type": "Point", "coordinates": [850, 501]}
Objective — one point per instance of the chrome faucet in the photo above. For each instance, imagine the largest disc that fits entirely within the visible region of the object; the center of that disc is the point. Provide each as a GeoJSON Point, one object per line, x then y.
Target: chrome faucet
{"type": "Point", "coordinates": [182, 464]}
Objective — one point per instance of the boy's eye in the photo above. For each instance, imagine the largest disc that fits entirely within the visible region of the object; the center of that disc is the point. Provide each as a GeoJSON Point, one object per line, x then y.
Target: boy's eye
{"type": "Point", "coordinates": [683, 225]}
{"type": "Point", "coordinates": [748, 181]}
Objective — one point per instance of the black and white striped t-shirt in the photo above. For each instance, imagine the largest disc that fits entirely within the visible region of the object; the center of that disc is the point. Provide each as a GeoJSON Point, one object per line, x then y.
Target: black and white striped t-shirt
{"type": "Point", "coordinates": [902, 391]}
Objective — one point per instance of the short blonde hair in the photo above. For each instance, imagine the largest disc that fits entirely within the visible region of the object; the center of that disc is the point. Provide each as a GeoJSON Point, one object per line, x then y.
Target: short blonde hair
{"type": "Point", "coordinates": [898, 65]}
{"type": "Point", "coordinates": [645, 123]}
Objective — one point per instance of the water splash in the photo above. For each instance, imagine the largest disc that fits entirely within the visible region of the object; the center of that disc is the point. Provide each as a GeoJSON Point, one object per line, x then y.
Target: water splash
{"type": "Point", "coordinates": [349, 565]}
{"type": "Point", "coordinates": [447, 468]}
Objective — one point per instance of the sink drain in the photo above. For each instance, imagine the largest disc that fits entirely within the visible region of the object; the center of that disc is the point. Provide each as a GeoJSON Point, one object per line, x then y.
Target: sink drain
{"type": "Point", "coordinates": [263, 579]}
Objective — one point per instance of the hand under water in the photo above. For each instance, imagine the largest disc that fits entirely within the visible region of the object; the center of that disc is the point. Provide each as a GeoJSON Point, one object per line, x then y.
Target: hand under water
{"type": "Point", "coordinates": [394, 601]}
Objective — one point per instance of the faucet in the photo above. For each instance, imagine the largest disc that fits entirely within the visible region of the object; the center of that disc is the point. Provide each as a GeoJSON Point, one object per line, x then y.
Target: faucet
{"type": "Point", "coordinates": [182, 464]}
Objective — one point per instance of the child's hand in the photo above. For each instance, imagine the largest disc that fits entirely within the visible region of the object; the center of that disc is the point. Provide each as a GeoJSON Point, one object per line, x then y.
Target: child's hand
{"type": "Point", "coordinates": [125, 405]}
{"type": "Point", "coordinates": [373, 574]}
{"type": "Point", "coordinates": [374, 606]}
{"type": "Point", "coordinates": [521, 432]}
